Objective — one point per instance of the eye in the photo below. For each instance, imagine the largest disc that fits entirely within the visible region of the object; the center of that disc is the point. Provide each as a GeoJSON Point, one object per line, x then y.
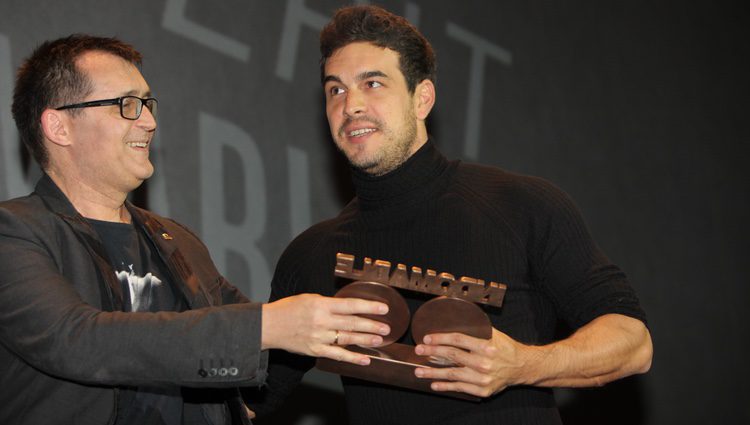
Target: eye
{"type": "Point", "coordinates": [374, 84]}
{"type": "Point", "coordinates": [335, 90]}
{"type": "Point", "coordinates": [129, 104]}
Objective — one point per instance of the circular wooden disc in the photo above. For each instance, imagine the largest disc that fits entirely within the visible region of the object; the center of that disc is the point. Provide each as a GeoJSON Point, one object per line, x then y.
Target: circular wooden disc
{"type": "Point", "coordinates": [447, 314]}
{"type": "Point", "coordinates": [398, 312]}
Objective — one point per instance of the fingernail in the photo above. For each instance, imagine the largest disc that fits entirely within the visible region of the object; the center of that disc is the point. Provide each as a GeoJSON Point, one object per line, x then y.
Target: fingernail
{"type": "Point", "coordinates": [419, 373]}
{"type": "Point", "coordinates": [376, 340]}
{"type": "Point", "coordinates": [383, 308]}
{"type": "Point", "coordinates": [427, 339]}
{"type": "Point", "coordinates": [385, 330]}
{"type": "Point", "coordinates": [364, 361]}
{"type": "Point", "coordinates": [419, 350]}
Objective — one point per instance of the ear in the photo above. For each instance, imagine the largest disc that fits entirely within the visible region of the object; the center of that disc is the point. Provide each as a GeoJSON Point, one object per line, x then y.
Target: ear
{"type": "Point", "coordinates": [55, 126]}
{"type": "Point", "coordinates": [424, 99]}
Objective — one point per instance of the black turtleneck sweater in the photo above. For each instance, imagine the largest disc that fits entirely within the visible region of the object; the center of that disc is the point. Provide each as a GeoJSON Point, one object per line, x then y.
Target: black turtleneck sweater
{"type": "Point", "coordinates": [467, 220]}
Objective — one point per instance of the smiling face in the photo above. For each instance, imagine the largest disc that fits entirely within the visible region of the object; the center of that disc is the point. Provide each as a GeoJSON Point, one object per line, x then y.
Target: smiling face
{"type": "Point", "coordinates": [108, 152]}
{"type": "Point", "coordinates": [374, 119]}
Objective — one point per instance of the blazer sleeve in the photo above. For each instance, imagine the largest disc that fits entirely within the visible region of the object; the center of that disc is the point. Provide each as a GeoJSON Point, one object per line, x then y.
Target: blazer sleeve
{"type": "Point", "coordinates": [45, 323]}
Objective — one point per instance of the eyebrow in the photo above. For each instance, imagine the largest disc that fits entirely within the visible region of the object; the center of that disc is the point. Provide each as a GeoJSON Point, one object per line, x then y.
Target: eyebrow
{"type": "Point", "coordinates": [135, 93]}
{"type": "Point", "coordinates": [370, 74]}
{"type": "Point", "coordinates": [331, 78]}
{"type": "Point", "coordinates": [360, 77]}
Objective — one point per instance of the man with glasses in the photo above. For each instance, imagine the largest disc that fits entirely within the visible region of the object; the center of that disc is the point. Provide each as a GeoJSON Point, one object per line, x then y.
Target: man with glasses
{"type": "Point", "coordinates": [130, 106]}
{"type": "Point", "coordinates": [108, 312]}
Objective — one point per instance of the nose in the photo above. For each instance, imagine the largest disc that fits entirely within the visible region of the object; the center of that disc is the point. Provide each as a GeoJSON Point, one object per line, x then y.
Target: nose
{"type": "Point", "coordinates": [355, 103]}
{"type": "Point", "coordinates": [146, 120]}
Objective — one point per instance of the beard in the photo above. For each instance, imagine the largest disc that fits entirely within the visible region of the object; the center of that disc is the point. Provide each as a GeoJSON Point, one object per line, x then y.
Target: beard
{"type": "Point", "coordinates": [395, 150]}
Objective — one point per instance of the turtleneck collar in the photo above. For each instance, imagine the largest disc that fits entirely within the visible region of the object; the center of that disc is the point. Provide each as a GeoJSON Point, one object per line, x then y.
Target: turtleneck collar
{"type": "Point", "coordinates": [422, 173]}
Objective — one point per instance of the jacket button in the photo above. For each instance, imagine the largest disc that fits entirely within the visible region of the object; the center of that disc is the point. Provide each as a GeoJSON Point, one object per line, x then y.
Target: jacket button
{"type": "Point", "coordinates": [234, 371]}
{"type": "Point", "coordinates": [223, 371]}
{"type": "Point", "coordinates": [213, 371]}
{"type": "Point", "coordinates": [202, 373]}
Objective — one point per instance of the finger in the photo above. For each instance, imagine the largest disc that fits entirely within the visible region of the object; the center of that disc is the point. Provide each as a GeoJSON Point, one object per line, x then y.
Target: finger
{"type": "Point", "coordinates": [360, 324]}
{"type": "Point", "coordinates": [452, 374]}
{"type": "Point", "coordinates": [361, 339]}
{"type": "Point", "coordinates": [357, 306]}
{"type": "Point", "coordinates": [455, 339]}
{"type": "Point", "coordinates": [342, 355]}
{"type": "Point", "coordinates": [455, 355]}
{"type": "Point", "coordinates": [462, 387]}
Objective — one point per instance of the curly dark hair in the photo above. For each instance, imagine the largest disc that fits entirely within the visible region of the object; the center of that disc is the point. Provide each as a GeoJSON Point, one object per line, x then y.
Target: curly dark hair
{"type": "Point", "coordinates": [382, 28]}
{"type": "Point", "coordinates": [49, 78]}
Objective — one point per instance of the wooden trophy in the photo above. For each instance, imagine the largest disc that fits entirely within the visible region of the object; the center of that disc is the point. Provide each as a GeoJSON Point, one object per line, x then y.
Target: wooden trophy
{"type": "Point", "coordinates": [454, 309]}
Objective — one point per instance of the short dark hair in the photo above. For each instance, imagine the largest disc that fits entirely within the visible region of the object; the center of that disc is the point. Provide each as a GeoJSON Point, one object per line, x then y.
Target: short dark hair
{"type": "Point", "coordinates": [382, 28]}
{"type": "Point", "coordinates": [50, 78]}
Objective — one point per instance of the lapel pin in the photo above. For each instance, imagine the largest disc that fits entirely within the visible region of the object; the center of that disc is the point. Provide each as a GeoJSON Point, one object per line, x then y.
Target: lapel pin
{"type": "Point", "coordinates": [166, 236]}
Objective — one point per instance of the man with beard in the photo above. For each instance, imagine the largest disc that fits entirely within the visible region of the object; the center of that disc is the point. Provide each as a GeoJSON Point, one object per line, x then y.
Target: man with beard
{"type": "Point", "coordinates": [413, 206]}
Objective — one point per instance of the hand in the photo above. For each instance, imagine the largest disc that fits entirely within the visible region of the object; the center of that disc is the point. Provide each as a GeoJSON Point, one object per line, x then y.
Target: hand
{"type": "Point", "coordinates": [484, 366]}
{"type": "Point", "coordinates": [319, 326]}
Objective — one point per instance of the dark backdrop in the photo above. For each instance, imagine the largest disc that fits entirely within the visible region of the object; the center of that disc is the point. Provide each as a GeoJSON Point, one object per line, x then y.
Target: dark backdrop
{"type": "Point", "coordinates": [637, 109]}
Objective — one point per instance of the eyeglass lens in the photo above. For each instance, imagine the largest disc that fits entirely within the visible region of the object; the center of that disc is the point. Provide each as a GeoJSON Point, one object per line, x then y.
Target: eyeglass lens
{"type": "Point", "coordinates": [132, 107]}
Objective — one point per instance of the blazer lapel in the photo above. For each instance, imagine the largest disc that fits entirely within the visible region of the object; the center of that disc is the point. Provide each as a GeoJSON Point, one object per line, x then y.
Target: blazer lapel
{"type": "Point", "coordinates": [166, 246]}
{"type": "Point", "coordinates": [52, 196]}
{"type": "Point", "coordinates": [111, 294]}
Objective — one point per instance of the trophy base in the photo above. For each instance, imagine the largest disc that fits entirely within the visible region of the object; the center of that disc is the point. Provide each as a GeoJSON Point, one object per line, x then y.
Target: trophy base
{"type": "Point", "coordinates": [393, 364]}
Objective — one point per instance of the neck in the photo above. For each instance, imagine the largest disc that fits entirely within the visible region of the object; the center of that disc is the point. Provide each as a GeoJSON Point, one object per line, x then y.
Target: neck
{"type": "Point", "coordinates": [91, 201]}
{"type": "Point", "coordinates": [408, 183]}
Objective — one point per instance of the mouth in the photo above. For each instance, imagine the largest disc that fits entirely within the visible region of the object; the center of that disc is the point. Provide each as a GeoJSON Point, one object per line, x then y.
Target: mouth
{"type": "Point", "coordinates": [361, 132]}
{"type": "Point", "coordinates": [139, 144]}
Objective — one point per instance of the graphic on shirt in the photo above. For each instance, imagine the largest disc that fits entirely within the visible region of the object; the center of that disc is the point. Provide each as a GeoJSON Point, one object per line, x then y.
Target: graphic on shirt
{"type": "Point", "coordinates": [141, 288]}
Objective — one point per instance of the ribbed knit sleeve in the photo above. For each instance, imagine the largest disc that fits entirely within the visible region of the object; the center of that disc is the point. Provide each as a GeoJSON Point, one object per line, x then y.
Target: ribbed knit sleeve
{"type": "Point", "coordinates": [569, 266]}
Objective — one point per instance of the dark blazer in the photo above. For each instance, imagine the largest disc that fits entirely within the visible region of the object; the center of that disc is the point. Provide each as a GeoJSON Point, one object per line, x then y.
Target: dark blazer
{"type": "Point", "coordinates": [65, 346]}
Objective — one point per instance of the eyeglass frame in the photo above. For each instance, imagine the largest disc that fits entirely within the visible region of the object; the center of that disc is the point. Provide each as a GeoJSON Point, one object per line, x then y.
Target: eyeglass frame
{"type": "Point", "coordinates": [115, 101]}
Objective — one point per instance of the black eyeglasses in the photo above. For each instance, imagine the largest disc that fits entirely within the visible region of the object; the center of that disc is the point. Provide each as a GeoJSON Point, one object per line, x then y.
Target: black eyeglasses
{"type": "Point", "coordinates": [130, 106]}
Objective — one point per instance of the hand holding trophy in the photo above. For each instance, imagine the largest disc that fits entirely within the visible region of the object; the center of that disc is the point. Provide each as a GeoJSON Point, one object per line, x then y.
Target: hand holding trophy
{"type": "Point", "coordinates": [454, 309]}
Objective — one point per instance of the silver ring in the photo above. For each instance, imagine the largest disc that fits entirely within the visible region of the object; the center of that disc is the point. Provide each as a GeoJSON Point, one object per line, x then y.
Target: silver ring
{"type": "Point", "coordinates": [336, 339]}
